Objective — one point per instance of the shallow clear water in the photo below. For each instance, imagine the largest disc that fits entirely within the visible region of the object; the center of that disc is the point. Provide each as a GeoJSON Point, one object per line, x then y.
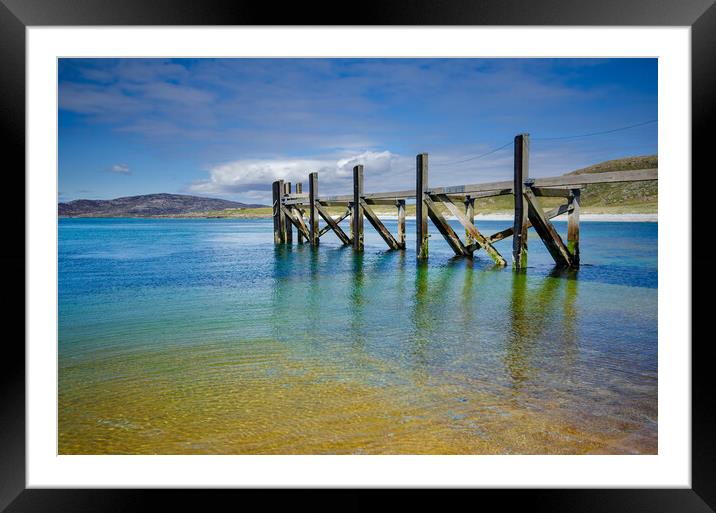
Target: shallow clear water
{"type": "Point", "coordinates": [201, 336]}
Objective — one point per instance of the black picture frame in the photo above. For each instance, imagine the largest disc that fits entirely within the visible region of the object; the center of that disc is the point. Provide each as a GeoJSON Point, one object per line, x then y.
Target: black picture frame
{"type": "Point", "coordinates": [17, 15]}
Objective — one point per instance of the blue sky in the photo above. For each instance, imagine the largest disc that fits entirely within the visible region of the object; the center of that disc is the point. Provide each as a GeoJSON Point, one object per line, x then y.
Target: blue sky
{"type": "Point", "coordinates": [229, 127]}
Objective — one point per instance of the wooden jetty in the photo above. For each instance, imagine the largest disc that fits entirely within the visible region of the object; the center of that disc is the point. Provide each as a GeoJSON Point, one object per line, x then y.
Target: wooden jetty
{"type": "Point", "coordinates": [290, 207]}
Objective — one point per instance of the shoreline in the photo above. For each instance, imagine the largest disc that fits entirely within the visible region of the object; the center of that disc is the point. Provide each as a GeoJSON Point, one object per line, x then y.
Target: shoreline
{"type": "Point", "coordinates": [586, 217]}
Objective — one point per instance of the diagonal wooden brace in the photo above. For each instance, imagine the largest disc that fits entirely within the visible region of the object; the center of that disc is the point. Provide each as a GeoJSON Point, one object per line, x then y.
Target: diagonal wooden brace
{"type": "Point", "coordinates": [546, 230]}
{"type": "Point", "coordinates": [480, 239]}
{"type": "Point", "coordinates": [328, 228]}
{"type": "Point", "coordinates": [379, 226]}
{"type": "Point", "coordinates": [296, 220]}
{"type": "Point", "coordinates": [332, 223]}
{"type": "Point", "coordinates": [444, 228]}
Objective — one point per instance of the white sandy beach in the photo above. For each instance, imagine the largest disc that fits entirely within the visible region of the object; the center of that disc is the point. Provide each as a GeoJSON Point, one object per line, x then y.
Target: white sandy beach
{"type": "Point", "coordinates": [610, 218]}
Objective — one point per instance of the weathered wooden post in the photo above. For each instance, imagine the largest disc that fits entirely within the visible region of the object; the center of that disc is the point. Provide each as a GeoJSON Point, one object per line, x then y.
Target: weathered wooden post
{"type": "Point", "coordinates": [313, 211]}
{"type": "Point", "coordinates": [573, 226]}
{"type": "Point", "coordinates": [281, 218]}
{"type": "Point", "coordinates": [350, 219]}
{"type": "Point", "coordinates": [357, 208]}
{"type": "Point", "coordinates": [299, 212]}
{"type": "Point", "coordinates": [470, 214]}
{"type": "Point", "coordinates": [276, 212]}
{"type": "Point", "coordinates": [288, 225]}
{"type": "Point", "coordinates": [521, 223]}
{"type": "Point", "coordinates": [401, 223]}
{"type": "Point", "coordinates": [421, 209]}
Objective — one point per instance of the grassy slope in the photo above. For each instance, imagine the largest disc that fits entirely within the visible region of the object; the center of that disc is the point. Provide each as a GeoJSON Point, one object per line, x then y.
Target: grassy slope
{"type": "Point", "coordinates": [617, 198]}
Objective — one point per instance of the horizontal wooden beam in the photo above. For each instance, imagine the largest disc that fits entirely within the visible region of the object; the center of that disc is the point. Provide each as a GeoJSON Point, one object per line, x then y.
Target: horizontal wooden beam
{"type": "Point", "coordinates": [554, 192]}
{"type": "Point", "coordinates": [487, 194]}
{"type": "Point", "coordinates": [393, 196]}
{"type": "Point", "coordinates": [296, 202]}
{"type": "Point", "coordinates": [387, 202]}
{"type": "Point", "coordinates": [335, 203]}
{"type": "Point", "coordinates": [556, 181]}
{"type": "Point", "coordinates": [491, 188]}
{"type": "Point", "coordinates": [343, 201]}
{"type": "Point", "coordinates": [296, 196]}
{"type": "Point", "coordinates": [640, 175]}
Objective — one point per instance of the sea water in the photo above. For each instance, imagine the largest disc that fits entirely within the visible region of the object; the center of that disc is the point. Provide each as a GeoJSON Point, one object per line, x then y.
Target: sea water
{"type": "Point", "coordinates": [200, 336]}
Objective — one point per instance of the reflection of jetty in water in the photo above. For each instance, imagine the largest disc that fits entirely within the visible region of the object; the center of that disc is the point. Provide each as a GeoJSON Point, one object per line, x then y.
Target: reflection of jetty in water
{"type": "Point", "coordinates": [539, 311]}
{"type": "Point", "coordinates": [533, 311]}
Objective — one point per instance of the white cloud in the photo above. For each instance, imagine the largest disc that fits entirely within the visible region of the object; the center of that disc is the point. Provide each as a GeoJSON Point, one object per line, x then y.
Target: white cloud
{"type": "Point", "coordinates": [253, 177]}
{"type": "Point", "coordinates": [122, 169]}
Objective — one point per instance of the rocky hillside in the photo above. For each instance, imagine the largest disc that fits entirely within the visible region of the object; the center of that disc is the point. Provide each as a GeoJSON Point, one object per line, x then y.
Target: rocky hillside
{"type": "Point", "coordinates": [147, 205]}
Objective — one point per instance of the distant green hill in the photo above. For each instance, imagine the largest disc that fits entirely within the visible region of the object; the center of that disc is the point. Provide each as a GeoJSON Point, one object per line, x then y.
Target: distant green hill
{"type": "Point", "coordinates": [148, 205]}
{"type": "Point", "coordinates": [613, 198]}
{"type": "Point", "coordinates": [625, 164]}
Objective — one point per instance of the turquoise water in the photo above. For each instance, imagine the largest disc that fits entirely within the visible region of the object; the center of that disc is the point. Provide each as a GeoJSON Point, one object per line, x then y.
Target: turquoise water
{"type": "Point", "coordinates": [201, 336]}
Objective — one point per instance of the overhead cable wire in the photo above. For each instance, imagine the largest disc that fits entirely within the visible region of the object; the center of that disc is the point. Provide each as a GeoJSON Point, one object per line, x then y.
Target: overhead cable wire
{"type": "Point", "coordinates": [490, 152]}
{"type": "Point", "coordinates": [577, 136]}
{"type": "Point", "coordinates": [594, 133]}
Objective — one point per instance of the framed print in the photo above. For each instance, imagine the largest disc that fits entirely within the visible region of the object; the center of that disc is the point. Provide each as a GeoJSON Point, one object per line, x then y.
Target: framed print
{"type": "Point", "coordinates": [423, 249]}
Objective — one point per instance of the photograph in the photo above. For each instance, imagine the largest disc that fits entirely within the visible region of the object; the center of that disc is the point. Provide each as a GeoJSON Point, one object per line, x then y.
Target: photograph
{"type": "Point", "coordinates": [446, 250]}
{"type": "Point", "coordinates": [358, 256]}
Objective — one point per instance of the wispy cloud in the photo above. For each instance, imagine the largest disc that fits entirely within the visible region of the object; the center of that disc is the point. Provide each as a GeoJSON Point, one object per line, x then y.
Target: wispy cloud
{"type": "Point", "coordinates": [122, 169]}
{"type": "Point", "coordinates": [231, 126]}
{"type": "Point", "coordinates": [320, 101]}
{"type": "Point", "coordinates": [253, 177]}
